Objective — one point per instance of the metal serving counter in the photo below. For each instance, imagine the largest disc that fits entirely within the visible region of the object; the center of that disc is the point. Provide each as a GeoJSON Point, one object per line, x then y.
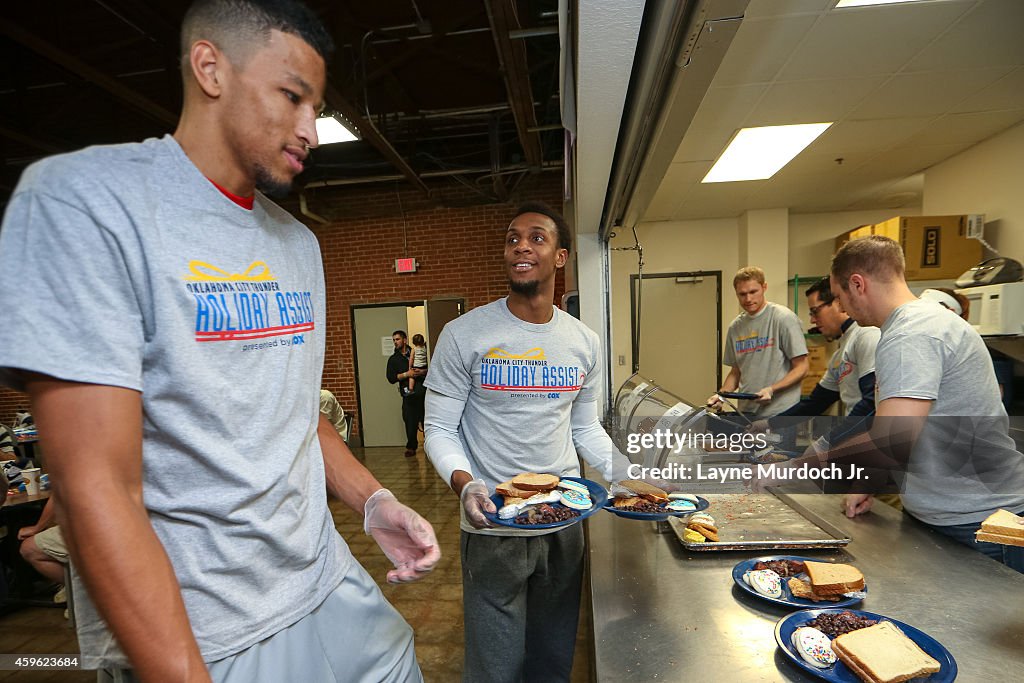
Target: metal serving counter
{"type": "Point", "coordinates": [664, 614]}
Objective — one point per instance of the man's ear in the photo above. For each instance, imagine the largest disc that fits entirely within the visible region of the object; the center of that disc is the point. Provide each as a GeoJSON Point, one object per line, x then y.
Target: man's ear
{"type": "Point", "coordinates": [561, 256]}
{"type": "Point", "coordinates": [207, 64]}
{"type": "Point", "coordinates": [856, 282]}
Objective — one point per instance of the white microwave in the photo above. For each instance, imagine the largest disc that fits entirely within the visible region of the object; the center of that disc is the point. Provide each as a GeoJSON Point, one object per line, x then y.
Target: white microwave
{"type": "Point", "coordinates": [996, 309]}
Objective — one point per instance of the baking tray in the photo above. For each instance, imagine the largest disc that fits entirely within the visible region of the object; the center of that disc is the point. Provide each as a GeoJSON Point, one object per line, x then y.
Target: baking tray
{"type": "Point", "coordinates": [762, 521]}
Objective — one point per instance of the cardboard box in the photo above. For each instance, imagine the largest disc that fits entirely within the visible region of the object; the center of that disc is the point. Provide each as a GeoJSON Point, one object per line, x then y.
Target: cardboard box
{"type": "Point", "coordinates": [935, 247]}
{"type": "Point", "coordinates": [818, 356]}
{"type": "Point", "coordinates": [862, 231]}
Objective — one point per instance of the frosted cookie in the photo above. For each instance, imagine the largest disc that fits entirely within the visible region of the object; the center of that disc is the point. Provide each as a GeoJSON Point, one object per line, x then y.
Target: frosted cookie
{"type": "Point", "coordinates": [764, 581]}
{"type": "Point", "coordinates": [569, 485]}
{"type": "Point", "coordinates": [814, 647]}
{"type": "Point", "coordinates": [680, 505]}
{"type": "Point", "coordinates": [691, 536]}
{"type": "Point", "coordinates": [684, 496]}
{"type": "Point", "coordinates": [702, 518]}
{"type": "Point", "coordinates": [574, 499]}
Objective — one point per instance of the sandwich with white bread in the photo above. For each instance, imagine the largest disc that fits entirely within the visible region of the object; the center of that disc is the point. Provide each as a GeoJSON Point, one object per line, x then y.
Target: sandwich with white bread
{"type": "Point", "coordinates": [827, 578]}
{"type": "Point", "coordinates": [1003, 527]}
{"type": "Point", "coordinates": [883, 654]}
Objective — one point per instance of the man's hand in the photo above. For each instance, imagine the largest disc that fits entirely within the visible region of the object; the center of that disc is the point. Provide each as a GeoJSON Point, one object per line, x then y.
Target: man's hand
{"type": "Point", "coordinates": [713, 401]}
{"type": "Point", "coordinates": [476, 502]}
{"type": "Point", "coordinates": [27, 532]}
{"type": "Point", "coordinates": [406, 538]}
{"type": "Point", "coordinates": [765, 395]}
{"type": "Point", "coordinates": [857, 503]}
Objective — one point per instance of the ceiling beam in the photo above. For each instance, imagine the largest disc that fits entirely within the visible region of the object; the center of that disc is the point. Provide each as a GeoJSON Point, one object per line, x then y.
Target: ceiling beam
{"type": "Point", "coordinates": [73, 64]}
{"type": "Point", "coordinates": [416, 46]}
{"type": "Point", "coordinates": [516, 72]}
{"type": "Point", "coordinates": [10, 131]}
{"type": "Point", "coordinates": [373, 136]}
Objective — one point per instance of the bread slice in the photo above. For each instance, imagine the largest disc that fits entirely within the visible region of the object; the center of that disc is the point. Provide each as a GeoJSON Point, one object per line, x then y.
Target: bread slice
{"type": "Point", "coordinates": [515, 500]}
{"type": "Point", "coordinates": [645, 490]}
{"type": "Point", "coordinates": [528, 481]}
{"type": "Point", "coordinates": [883, 654]}
{"type": "Point", "coordinates": [802, 589]}
{"type": "Point", "coordinates": [625, 502]}
{"type": "Point", "coordinates": [506, 488]}
{"type": "Point", "coordinates": [828, 578]}
{"type": "Point", "coordinates": [1002, 526]}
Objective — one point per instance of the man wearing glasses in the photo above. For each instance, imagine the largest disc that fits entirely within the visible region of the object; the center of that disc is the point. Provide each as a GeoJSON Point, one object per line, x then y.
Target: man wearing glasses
{"type": "Point", "coordinates": [850, 376]}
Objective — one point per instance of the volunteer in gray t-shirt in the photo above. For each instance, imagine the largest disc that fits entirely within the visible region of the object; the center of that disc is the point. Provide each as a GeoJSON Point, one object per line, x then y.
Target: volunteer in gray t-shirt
{"type": "Point", "coordinates": [169, 327]}
{"type": "Point", "coordinates": [962, 464]}
{"type": "Point", "coordinates": [765, 347]}
{"type": "Point", "coordinates": [512, 389]}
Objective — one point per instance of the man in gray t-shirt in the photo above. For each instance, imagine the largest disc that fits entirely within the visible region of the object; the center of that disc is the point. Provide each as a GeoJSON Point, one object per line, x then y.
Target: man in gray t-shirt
{"type": "Point", "coordinates": [765, 347]}
{"type": "Point", "coordinates": [169, 328]}
{"type": "Point", "coordinates": [512, 389]}
{"type": "Point", "coordinates": [938, 411]}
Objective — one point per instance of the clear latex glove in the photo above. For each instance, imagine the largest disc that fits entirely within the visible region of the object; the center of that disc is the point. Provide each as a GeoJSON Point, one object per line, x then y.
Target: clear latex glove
{"type": "Point", "coordinates": [476, 501]}
{"type": "Point", "coordinates": [405, 537]}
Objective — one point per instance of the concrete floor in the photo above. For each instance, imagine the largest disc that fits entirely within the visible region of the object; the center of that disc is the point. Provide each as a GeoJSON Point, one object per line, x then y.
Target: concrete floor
{"type": "Point", "coordinates": [432, 606]}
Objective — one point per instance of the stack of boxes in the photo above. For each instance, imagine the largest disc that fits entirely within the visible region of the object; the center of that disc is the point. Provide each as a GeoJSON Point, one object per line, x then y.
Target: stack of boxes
{"type": "Point", "coordinates": [936, 247]}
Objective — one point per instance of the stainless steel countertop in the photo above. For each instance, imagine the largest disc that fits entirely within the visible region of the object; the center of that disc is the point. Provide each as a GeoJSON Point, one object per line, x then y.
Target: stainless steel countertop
{"type": "Point", "coordinates": [662, 613]}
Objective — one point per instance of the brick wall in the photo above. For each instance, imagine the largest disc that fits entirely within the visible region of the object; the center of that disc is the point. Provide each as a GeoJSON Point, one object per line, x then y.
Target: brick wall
{"type": "Point", "coordinates": [458, 247]}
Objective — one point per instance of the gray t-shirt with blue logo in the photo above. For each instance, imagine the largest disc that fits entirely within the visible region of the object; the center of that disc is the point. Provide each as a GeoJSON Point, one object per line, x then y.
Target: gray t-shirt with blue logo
{"type": "Point", "coordinates": [519, 381]}
{"type": "Point", "coordinates": [134, 271]}
{"type": "Point", "coordinates": [762, 346]}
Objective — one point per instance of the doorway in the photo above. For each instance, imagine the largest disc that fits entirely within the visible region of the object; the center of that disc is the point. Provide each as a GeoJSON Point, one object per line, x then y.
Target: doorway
{"type": "Point", "coordinates": [380, 406]}
{"type": "Point", "coordinates": [681, 331]}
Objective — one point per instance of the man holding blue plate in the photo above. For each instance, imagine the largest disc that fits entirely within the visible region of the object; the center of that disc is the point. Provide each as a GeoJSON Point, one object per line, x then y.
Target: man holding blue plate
{"type": "Point", "coordinates": [512, 389]}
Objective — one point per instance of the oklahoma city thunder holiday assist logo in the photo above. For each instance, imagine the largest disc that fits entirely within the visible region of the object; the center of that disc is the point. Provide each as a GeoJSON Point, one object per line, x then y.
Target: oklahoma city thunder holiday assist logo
{"type": "Point", "coordinates": [528, 371]}
{"type": "Point", "coordinates": [246, 305]}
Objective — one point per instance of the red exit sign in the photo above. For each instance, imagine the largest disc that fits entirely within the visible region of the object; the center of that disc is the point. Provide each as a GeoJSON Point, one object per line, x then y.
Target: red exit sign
{"type": "Point", "coordinates": [405, 265]}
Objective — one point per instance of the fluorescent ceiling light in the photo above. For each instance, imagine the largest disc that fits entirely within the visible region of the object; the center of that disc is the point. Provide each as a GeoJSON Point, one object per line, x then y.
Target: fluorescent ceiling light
{"type": "Point", "coordinates": [330, 130]}
{"type": "Point", "coordinates": [867, 3]}
{"type": "Point", "coordinates": [759, 153]}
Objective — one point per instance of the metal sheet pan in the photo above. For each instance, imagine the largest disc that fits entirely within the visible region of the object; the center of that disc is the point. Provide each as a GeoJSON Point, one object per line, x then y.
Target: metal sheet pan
{"type": "Point", "coordinates": [769, 521]}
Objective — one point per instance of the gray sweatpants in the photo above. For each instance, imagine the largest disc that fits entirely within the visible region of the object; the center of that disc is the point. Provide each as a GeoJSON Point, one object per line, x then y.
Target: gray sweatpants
{"type": "Point", "coordinates": [521, 599]}
{"type": "Point", "coordinates": [354, 635]}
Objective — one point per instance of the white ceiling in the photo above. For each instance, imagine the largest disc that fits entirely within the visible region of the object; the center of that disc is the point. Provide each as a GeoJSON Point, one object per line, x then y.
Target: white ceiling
{"type": "Point", "coordinates": [908, 86]}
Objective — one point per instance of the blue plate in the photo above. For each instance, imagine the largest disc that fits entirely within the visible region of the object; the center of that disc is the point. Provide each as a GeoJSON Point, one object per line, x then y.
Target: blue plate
{"type": "Point", "coordinates": [598, 494]}
{"type": "Point", "coordinates": [838, 673]}
{"type": "Point", "coordinates": [702, 504]}
{"type": "Point", "coordinates": [787, 595]}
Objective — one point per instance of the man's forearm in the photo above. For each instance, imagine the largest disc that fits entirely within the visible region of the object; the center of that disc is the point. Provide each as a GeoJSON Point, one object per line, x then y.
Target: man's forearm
{"type": "Point", "coordinates": [347, 479]}
{"type": "Point", "coordinates": [132, 583]}
{"type": "Point", "coordinates": [93, 440]}
{"type": "Point", "coordinates": [796, 374]}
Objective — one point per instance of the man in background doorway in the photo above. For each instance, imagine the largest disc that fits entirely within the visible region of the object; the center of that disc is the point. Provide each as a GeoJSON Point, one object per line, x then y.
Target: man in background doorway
{"type": "Point", "coordinates": [765, 347]}
{"type": "Point", "coordinates": [398, 372]}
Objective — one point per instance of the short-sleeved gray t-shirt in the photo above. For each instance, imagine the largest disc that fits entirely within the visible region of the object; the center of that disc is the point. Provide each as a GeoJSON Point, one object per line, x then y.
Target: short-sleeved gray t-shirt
{"type": "Point", "coordinates": [964, 464]}
{"type": "Point", "coordinates": [519, 381]}
{"type": "Point", "coordinates": [134, 271]}
{"type": "Point", "coordinates": [854, 359]}
{"type": "Point", "coordinates": [762, 346]}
